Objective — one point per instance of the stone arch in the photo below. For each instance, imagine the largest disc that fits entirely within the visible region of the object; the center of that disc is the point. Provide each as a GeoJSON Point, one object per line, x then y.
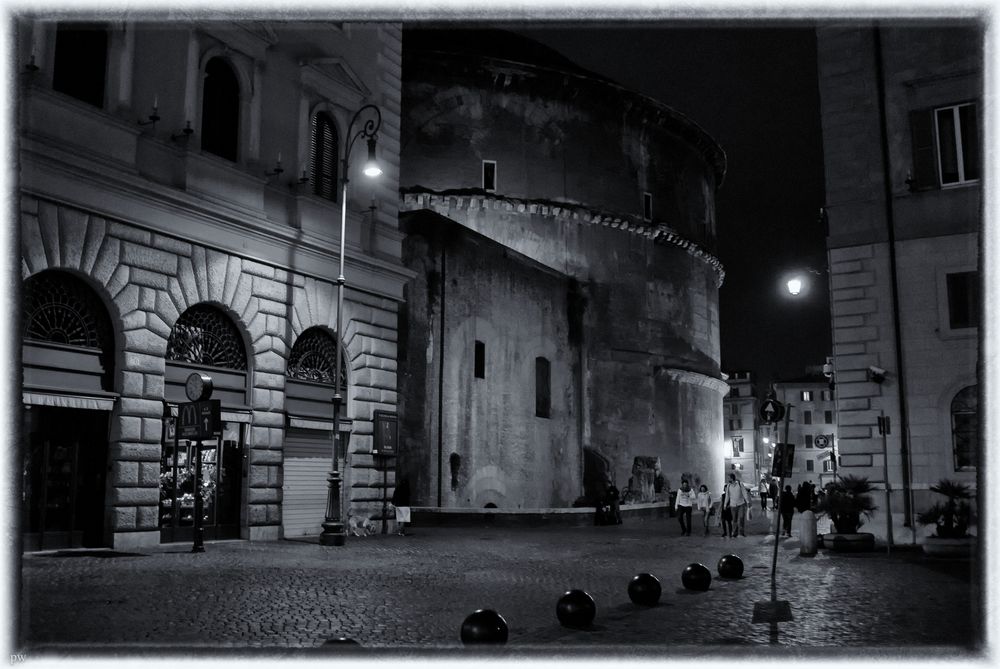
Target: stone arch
{"type": "Point", "coordinates": [205, 334]}
{"type": "Point", "coordinates": [313, 357]}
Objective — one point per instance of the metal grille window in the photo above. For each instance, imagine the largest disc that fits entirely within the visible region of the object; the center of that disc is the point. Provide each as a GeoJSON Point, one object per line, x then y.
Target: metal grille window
{"type": "Point", "coordinates": [964, 427]}
{"type": "Point", "coordinates": [220, 110]}
{"type": "Point", "coordinates": [204, 336]}
{"type": "Point", "coordinates": [313, 358]}
{"type": "Point", "coordinates": [80, 63]}
{"type": "Point", "coordinates": [324, 151]}
{"type": "Point", "coordinates": [60, 308]}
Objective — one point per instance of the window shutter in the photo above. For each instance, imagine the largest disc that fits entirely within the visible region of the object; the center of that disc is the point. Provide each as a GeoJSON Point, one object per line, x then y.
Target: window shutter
{"type": "Point", "coordinates": [324, 157]}
{"type": "Point", "coordinates": [924, 172]}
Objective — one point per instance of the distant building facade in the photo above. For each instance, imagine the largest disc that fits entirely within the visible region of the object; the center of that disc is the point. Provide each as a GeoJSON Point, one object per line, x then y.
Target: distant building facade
{"type": "Point", "coordinates": [811, 410]}
{"type": "Point", "coordinates": [574, 337]}
{"type": "Point", "coordinates": [901, 114]}
{"type": "Point", "coordinates": [743, 454]}
{"type": "Point", "coordinates": [159, 238]}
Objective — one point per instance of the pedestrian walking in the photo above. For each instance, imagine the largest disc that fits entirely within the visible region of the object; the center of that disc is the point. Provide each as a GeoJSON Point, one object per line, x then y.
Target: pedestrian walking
{"type": "Point", "coordinates": [787, 509]}
{"type": "Point", "coordinates": [774, 493]}
{"type": "Point", "coordinates": [803, 498]}
{"type": "Point", "coordinates": [682, 505]}
{"type": "Point", "coordinates": [762, 490]}
{"type": "Point", "coordinates": [726, 516]}
{"type": "Point", "coordinates": [738, 499]}
{"type": "Point", "coordinates": [704, 504]}
{"type": "Point", "coordinates": [401, 501]}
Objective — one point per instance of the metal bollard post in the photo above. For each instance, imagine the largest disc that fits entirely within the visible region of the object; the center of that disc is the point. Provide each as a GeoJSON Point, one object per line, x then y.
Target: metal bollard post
{"type": "Point", "coordinates": [807, 533]}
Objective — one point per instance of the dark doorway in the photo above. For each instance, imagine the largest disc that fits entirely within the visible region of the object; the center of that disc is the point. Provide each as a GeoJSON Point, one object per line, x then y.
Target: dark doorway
{"type": "Point", "coordinates": [64, 473]}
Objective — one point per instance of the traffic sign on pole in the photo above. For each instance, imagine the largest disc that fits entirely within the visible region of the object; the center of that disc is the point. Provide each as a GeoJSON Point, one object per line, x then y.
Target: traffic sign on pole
{"type": "Point", "coordinates": [771, 410]}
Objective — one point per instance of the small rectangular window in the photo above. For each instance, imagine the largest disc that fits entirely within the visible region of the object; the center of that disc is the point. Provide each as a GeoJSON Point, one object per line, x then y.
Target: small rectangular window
{"type": "Point", "coordinates": [957, 144]}
{"type": "Point", "coordinates": [809, 441]}
{"type": "Point", "coordinates": [480, 366]}
{"type": "Point", "coordinates": [737, 446]}
{"type": "Point", "coordinates": [489, 175]}
{"type": "Point", "coordinates": [734, 392]}
{"type": "Point", "coordinates": [647, 206]}
{"type": "Point", "coordinates": [963, 300]}
{"type": "Point", "coordinates": [810, 465]}
{"type": "Point", "coordinates": [543, 391]}
{"type": "Point", "coordinates": [807, 417]}
{"type": "Point", "coordinates": [827, 466]}
{"type": "Point", "coordinates": [825, 395]}
{"type": "Point", "coordinates": [734, 409]}
{"type": "Point", "coordinates": [828, 417]}
{"type": "Point", "coordinates": [807, 396]}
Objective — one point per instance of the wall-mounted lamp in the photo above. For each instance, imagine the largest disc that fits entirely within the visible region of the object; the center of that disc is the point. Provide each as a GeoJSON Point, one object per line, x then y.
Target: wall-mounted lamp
{"type": "Point", "coordinates": [876, 374]}
{"type": "Point", "coordinates": [304, 179]}
{"type": "Point", "coordinates": [186, 132]}
{"type": "Point", "coordinates": [278, 169]}
{"type": "Point", "coordinates": [154, 117]}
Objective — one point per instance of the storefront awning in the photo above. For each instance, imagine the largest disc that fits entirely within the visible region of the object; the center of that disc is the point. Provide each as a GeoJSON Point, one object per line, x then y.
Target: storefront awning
{"type": "Point", "coordinates": [66, 401]}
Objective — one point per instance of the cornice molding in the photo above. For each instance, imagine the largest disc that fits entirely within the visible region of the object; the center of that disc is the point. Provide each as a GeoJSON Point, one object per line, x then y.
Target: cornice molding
{"type": "Point", "coordinates": [695, 379]}
{"type": "Point", "coordinates": [445, 202]}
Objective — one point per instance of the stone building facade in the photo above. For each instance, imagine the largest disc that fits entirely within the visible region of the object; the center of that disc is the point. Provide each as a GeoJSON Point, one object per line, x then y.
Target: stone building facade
{"type": "Point", "coordinates": [612, 195]}
{"type": "Point", "coordinates": [172, 220]}
{"type": "Point", "coordinates": [901, 115]}
{"type": "Point", "coordinates": [744, 455]}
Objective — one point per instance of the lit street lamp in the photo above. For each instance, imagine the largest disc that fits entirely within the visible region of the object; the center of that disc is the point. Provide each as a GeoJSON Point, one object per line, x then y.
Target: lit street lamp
{"type": "Point", "coordinates": [333, 524]}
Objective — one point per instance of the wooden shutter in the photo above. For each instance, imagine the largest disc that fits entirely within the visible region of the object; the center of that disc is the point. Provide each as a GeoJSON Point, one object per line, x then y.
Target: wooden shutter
{"type": "Point", "coordinates": [324, 157]}
{"type": "Point", "coordinates": [924, 172]}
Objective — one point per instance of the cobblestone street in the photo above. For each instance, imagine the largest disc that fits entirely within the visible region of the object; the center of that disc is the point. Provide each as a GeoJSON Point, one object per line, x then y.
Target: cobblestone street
{"type": "Point", "coordinates": [392, 593]}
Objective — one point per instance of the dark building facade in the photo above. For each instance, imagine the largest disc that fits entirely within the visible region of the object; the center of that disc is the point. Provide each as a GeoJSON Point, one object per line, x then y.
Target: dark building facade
{"type": "Point", "coordinates": [610, 346]}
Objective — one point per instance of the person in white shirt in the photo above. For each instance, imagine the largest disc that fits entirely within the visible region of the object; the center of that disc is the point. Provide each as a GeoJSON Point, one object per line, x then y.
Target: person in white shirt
{"type": "Point", "coordinates": [682, 505]}
{"type": "Point", "coordinates": [737, 499]}
{"type": "Point", "coordinates": [704, 504]}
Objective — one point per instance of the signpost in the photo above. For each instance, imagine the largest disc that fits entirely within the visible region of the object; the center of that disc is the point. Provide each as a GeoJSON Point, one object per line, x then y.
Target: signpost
{"type": "Point", "coordinates": [199, 419]}
{"type": "Point", "coordinates": [384, 447]}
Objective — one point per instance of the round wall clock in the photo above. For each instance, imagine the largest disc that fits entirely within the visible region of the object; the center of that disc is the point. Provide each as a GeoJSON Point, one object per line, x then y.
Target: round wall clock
{"type": "Point", "coordinates": [198, 387]}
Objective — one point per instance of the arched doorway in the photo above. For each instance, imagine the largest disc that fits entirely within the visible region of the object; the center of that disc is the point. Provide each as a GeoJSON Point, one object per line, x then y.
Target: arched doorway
{"type": "Point", "coordinates": [308, 448]}
{"type": "Point", "coordinates": [205, 340]}
{"type": "Point", "coordinates": [67, 395]}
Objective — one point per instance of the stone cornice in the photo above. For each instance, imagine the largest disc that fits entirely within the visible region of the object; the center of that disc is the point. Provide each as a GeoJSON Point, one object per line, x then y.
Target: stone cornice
{"type": "Point", "coordinates": [695, 379]}
{"type": "Point", "coordinates": [444, 202]}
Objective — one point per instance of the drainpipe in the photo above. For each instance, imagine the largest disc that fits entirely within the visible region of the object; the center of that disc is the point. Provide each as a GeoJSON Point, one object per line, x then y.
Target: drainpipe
{"type": "Point", "coordinates": [904, 428]}
{"type": "Point", "coordinates": [440, 411]}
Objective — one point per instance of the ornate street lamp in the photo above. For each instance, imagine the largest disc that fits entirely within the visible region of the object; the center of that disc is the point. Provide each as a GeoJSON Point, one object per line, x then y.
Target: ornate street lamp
{"type": "Point", "coordinates": [333, 524]}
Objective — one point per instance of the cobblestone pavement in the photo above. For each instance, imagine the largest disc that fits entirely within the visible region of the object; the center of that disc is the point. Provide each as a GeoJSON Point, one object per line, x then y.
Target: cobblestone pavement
{"type": "Point", "coordinates": [411, 594]}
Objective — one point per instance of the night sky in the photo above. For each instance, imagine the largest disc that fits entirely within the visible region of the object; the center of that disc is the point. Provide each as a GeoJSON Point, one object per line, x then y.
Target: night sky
{"type": "Point", "coordinates": [754, 90]}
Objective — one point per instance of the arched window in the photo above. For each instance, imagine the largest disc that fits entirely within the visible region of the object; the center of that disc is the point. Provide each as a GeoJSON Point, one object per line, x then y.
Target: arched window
{"type": "Point", "coordinates": [220, 110]}
{"type": "Point", "coordinates": [81, 60]}
{"type": "Point", "coordinates": [543, 389]}
{"type": "Point", "coordinates": [204, 336]}
{"type": "Point", "coordinates": [61, 309]}
{"type": "Point", "coordinates": [324, 156]}
{"type": "Point", "coordinates": [313, 358]}
{"type": "Point", "coordinates": [964, 427]}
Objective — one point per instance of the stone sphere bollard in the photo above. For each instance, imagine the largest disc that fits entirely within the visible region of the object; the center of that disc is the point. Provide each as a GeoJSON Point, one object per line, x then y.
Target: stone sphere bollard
{"type": "Point", "coordinates": [644, 589]}
{"type": "Point", "coordinates": [484, 626]}
{"type": "Point", "coordinates": [576, 608]}
{"type": "Point", "coordinates": [696, 577]}
{"type": "Point", "coordinates": [730, 566]}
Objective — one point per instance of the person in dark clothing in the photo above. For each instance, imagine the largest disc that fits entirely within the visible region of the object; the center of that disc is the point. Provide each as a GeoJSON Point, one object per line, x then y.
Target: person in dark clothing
{"type": "Point", "coordinates": [803, 498]}
{"type": "Point", "coordinates": [401, 500]}
{"type": "Point", "coordinates": [787, 506]}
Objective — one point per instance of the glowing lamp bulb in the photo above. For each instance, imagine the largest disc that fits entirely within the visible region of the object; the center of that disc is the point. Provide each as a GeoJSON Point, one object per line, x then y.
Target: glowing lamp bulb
{"type": "Point", "coordinates": [794, 286]}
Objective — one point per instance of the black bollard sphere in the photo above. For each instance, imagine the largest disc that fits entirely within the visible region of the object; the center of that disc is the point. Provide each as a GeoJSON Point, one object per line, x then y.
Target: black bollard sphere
{"type": "Point", "coordinates": [484, 626]}
{"type": "Point", "coordinates": [696, 577]}
{"type": "Point", "coordinates": [644, 589]}
{"type": "Point", "coordinates": [576, 608]}
{"type": "Point", "coordinates": [730, 566]}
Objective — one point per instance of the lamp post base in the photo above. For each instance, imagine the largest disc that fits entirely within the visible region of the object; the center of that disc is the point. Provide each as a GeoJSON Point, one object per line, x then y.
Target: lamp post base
{"type": "Point", "coordinates": [333, 534]}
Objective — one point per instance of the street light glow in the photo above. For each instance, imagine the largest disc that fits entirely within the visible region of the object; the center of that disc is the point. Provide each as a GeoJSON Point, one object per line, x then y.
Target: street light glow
{"type": "Point", "coordinates": [794, 286]}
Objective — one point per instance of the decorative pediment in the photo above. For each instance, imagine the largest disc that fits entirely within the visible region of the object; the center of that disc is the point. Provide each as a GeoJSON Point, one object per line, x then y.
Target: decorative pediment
{"type": "Point", "coordinates": [334, 79]}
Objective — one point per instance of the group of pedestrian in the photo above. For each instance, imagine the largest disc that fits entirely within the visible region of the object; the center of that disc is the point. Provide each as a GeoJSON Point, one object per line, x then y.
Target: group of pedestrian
{"type": "Point", "coordinates": [733, 507]}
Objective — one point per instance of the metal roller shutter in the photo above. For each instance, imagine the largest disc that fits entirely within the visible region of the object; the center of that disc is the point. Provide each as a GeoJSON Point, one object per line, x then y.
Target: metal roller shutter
{"type": "Point", "coordinates": [307, 466]}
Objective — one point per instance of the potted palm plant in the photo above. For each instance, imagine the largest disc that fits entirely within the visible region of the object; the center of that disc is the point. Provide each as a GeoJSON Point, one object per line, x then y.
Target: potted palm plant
{"type": "Point", "coordinates": [951, 520]}
{"type": "Point", "coordinates": [848, 503]}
